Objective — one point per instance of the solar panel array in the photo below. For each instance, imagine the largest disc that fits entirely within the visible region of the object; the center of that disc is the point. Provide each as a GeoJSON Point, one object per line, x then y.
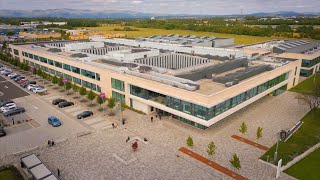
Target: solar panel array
{"type": "Point", "coordinates": [292, 44]}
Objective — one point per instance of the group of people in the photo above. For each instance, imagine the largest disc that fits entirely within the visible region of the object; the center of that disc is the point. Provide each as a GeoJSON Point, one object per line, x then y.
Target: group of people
{"type": "Point", "coordinates": [50, 142]}
{"type": "Point", "coordinates": [157, 115]}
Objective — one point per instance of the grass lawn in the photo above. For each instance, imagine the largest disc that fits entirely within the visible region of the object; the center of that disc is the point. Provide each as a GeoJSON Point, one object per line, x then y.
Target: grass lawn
{"type": "Point", "coordinates": [239, 39]}
{"type": "Point", "coordinates": [307, 136]}
{"type": "Point", "coordinates": [306, 85]}
{"type": "Point", "coordinates": [10, 173]}
{"type": "Point", "coordinates": [308, 168]}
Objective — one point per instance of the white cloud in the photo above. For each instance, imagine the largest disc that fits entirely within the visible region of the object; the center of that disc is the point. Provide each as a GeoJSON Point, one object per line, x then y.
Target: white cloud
{"type": "Point", "coordinates": [137, 2]}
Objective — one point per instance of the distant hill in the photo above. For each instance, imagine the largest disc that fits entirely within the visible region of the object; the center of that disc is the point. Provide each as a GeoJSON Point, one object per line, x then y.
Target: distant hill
{"type": "Point", "coordinates": [85, 13]}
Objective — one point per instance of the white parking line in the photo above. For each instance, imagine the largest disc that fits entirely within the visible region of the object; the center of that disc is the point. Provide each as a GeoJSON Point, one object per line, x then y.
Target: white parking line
{"type": "Point", "coordinates": [93, 120]}
{"type": "Point", "coordinates": [6, 87]}
{"type": "Point", "coordinates": [101, 125]}
{"type": "Point", "coordinates": [35, 107]}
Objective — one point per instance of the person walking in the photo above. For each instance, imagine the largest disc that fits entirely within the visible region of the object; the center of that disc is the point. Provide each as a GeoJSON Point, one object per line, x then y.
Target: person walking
{"type": "Point", "coordinates": [159, 116]}
{"type": "Point", "coordinates": [151, 118]}
{"type": "Point", "coordinates": [128, 139]}
{"type": "Point", "coordinates": [58, 172]}
{"type": "Point", "coordinates": [12, 121]}
{"type": "Point", "coordinates": [113, 125]}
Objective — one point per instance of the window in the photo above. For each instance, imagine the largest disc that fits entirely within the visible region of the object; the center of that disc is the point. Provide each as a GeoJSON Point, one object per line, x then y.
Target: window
{"type": "Point", "coordinates": [59, 73]}
{"type": "Point", "coordinates": [44, 60]}
{"type": "Point", "coordinates": [98, 88]}
{"type": "Point", "coordinates": [50, 62]}
{"type": "Point", "coordinates": [57, 64]}
{"type": "Point", "coordinates": [186, 107]}
{"type": "Point", "coordinates": [98, 76]}
{"type": "Point", "coordinates": [76, 80]}
{"type": "Point", "coordinates": [89, 85]}
{"type": "Point", "coordinates": [16, 52]}
{"type": "Point", "coordinates": [88, 74]}
{"type": "Point", "coordinates": [117, 84]}
{"type": "Point", "coordinates": [67, 67]}
{"type": "Point", "coordinates": [36, 57]}
{"type": "Point", "coordinates": [118, 97]}
{"type": "Point", "coordinates": [75, 69]}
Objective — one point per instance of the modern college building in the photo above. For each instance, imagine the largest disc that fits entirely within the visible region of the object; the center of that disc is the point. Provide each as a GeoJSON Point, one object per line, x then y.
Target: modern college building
{"type": "Point", "coordinates": [197, 85]}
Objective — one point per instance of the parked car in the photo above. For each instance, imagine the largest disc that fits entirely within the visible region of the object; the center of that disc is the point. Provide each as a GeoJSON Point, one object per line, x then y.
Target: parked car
{"type": "Point", "coordinates": [7, 73]}
{"type": "Point", "coordinates": [4, 110]}
{"type": "Point", "coordinates": [5, 102]}
{"type": "Point", "coordinates": [2, 132]}
{"type": "Point", "coordinates": [39, 89]}
{"type": "Point", "coordinates": [7, 106]}
{"type": "Point", "coordinates": [25, 84]}
{"type": "Point", "coordinates": [57, 101]}
{"type": "Point", "coordinates": [30, 86]}
{"type": "Point", "coordinates": [12, 74]}
{"type": "Point", "coordinates": [19, 78]}
{"type": "Point", "coordinates": [22, 81]}
{"type": "Point", "coordinates": [13, 77]}
{"type": "Point", "coordinates": [84, 114]}
{"type": "Point", "coordinates": [17, 110]}
{"type": "Point", "coordinates": [55, 122]}
{"type": "Point", "coordinates": [65, 104]}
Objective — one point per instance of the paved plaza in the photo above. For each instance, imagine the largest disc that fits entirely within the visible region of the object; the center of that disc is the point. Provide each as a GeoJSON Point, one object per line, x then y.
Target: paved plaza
{"type": "Point", "coordinates": [105, 154]}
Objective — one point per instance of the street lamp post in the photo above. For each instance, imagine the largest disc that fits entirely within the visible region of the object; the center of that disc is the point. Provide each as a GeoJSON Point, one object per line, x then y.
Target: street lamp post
{"type": "Point", "coordinates": [120, 112]}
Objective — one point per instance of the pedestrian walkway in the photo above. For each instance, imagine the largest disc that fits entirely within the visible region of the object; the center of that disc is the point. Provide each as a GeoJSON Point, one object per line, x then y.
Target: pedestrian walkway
{"type": "Point", "coordinates": [212, 164]}
{"type": "Point", "coordinates": [250, 142]}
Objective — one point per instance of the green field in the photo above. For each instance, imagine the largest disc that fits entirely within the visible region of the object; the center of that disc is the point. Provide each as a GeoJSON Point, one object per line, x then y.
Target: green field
{"type": "Point", "coordinates": [308, 168]}
{"type": "Point", "coordinates": [303, 139]}
{"type": "Point", "coordinates": [306, 86]}
{"type": "Point", "coordinates": [239, 39]}
{"type": "Point", "coordinates": [10, 173]}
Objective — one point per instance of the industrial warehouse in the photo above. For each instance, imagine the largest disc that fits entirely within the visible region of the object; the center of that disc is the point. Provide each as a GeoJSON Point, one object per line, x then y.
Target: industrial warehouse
{"type": "Point", "coordinates": [178, 76]}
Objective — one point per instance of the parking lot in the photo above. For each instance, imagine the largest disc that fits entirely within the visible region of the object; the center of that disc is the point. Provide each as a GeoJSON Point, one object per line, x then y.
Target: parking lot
{"type": "Point", "coordinates": [8, 90]}
{"type": "Point", "coordinates": [31, 128]}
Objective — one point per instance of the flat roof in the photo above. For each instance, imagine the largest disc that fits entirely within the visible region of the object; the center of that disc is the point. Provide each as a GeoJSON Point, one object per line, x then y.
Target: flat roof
{"type": "Point", "coordinates": [51, 177]}
{"type": "Point", "coordinates": [31, 161]}
{"type": "Point", "coordinates": [208, 87]}
{"type": "Point", "coordinates": [40, 171]}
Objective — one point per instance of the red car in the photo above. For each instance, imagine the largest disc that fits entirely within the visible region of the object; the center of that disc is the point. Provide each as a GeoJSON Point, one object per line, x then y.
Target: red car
{"type": "Point", "coordinates": [22, 81]}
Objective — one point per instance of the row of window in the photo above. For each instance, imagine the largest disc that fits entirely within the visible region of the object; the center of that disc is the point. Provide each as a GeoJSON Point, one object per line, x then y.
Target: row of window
{"type": "Point", "coordinates": [200, 111]}
{"type": "Point", "coordinates": [67, 67]}
{"type": "Point", "coordinates": [70, 78]}
{"type": "Point", "coordinates": [310, 63]}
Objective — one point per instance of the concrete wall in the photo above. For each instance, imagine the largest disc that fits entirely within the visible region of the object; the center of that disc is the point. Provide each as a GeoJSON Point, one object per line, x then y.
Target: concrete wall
{"type": "Point", "coordinates": [140, 106]}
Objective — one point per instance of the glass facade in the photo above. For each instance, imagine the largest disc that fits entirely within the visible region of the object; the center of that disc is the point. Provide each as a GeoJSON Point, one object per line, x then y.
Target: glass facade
{"type": "Point", "coordinates": [89, 85]}
{"type": "Point", "coordinates": [117, 84]}
{"type": "Point", "coordinates": [76, 80]}
{"type": "Point", "coordinates": [306, 73]}
{"type": "Point", "coordinates": [57, 64]}
{"type": "Point", "coordinates": [204, 112]}
{"type": "Point", "coordinates": [67, 67]}
{"type": "Point", "coordinates": [118, 97]}
{"type": "Point", "coordinates": [75, 69]}
{"type": "Point", "coordinates": [310, 63]}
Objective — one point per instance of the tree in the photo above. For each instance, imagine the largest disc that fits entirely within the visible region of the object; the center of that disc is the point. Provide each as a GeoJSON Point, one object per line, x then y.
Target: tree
{"type": "Point", "coordinates": [235, 161]}
{"type": "Point", "coordinates": [68, 86]}
{"type": "Point", "coordinates": [60, 82]}
{"type": "Point", "coordinates": [211, 149]}
{"type": "Point", "coordinates": [75, 87]}
{"type": "Point", "coordinates": [91, 96]}
{"type": "Point", "coordinates": [259, 132]}
{"type": "Point", "coordinates": [54, 80]}
{"type": "Point", "coordinates": [83, 91]}
{"type": "Point", "coordinates": [243, 128]}
{"type": "Point", "coordinates": [100, 100]}
{"type": "Point", "coordinates": [39, 72]}
{"type": "Point", "coordinates": [111, 103]}
{"type": "Point", "coordinates": [190, 141]}
{"type": "Point", "coordinates": [4, 45]}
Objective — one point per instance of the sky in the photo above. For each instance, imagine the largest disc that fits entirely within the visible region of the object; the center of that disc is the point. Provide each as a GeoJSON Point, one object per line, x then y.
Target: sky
{"type": "Point", "coordinates": [212, 7]}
